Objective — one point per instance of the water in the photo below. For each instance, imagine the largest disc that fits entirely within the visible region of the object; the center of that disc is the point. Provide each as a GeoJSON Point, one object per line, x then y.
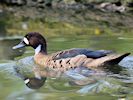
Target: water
{"type": "Point", "coordinates": [113, 87]}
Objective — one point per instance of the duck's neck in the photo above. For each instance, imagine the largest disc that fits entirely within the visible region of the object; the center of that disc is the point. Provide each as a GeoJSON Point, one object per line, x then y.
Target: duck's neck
{"type": "Point", "coordinates": [41, 49]}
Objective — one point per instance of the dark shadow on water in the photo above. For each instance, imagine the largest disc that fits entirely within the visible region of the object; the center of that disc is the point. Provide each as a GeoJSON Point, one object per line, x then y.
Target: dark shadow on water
{"type": "Point", "coordinates": [115, 69]}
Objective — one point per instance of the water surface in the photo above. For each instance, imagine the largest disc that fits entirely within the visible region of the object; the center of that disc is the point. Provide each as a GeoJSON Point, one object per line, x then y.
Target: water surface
{"type": "Point", "coordinates": [107, 88]}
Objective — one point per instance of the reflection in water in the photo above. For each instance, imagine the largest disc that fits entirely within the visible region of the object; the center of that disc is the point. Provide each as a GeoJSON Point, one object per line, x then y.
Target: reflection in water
{"type": "Point", "coordinates": [31, 82]}
{"type": "Point", "coordinates": [107, 87]}
{"type": "Point", "coordinates": [6, 51]}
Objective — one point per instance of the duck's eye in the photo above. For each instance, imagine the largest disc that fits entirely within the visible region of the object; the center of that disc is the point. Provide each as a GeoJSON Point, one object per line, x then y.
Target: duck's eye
{"type": "Point", "coordinates": [26, 41]}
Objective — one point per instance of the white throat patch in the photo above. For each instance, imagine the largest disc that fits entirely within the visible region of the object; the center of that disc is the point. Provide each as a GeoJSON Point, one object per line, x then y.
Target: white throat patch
{"type": "Point", "coordinates": [26, 40]}
{"type": "Point", "coordinates": [38, 49]}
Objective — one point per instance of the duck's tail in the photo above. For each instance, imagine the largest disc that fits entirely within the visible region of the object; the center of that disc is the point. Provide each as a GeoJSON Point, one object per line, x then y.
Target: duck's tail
{"type": "Point", "coordinates": [116, 59]}
{"type": "Point", "coordinates": [111, 59]}
{"type": "Point", "coordinates": [112, 64]}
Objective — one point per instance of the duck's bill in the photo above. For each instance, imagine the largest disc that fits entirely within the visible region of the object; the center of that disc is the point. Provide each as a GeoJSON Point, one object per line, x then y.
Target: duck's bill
{"type": "Point", "coordinates": [20, 45]}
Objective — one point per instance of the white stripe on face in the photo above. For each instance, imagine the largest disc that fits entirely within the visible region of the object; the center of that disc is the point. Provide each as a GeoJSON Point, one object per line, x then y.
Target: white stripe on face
{"type": "Point", "coordinates": [26, 40]}
{"type": "Point", "coordinates": [26, 81]}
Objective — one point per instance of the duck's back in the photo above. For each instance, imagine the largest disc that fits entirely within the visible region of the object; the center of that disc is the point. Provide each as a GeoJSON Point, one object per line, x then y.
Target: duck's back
{"type": "Point", "coordinates": [80, 51]}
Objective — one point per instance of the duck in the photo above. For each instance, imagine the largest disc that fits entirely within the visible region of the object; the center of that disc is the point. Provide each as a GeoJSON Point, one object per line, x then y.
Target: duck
{"type": "Point", "coordinates": [67, 60]}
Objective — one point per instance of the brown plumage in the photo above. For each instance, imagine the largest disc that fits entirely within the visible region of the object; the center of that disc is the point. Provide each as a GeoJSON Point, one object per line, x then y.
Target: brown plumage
{"type": "Point", "coordinates": [68, 59]}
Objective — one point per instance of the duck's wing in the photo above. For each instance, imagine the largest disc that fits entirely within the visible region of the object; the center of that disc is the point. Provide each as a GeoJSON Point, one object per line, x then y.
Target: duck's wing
{"type": "Point", "coordinates": [79, 51]}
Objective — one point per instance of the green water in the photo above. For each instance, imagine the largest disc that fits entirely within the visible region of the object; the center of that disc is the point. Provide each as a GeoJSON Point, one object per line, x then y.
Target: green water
{"type": "Point", "coordinates": [13, 88]}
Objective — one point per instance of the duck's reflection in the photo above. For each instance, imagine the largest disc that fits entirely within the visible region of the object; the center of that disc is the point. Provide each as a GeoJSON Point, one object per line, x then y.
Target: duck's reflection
{"type": "Point", "coordinates": [34, 83]}
{"type": "Point", "coordinates": [31, 82]}
{"type": "Point", "coordinates": [81, 76]}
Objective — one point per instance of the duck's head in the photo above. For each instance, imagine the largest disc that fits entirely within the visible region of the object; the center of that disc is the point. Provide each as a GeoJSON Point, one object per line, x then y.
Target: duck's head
{"type": "Point", "coordinates": [35, 40]}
